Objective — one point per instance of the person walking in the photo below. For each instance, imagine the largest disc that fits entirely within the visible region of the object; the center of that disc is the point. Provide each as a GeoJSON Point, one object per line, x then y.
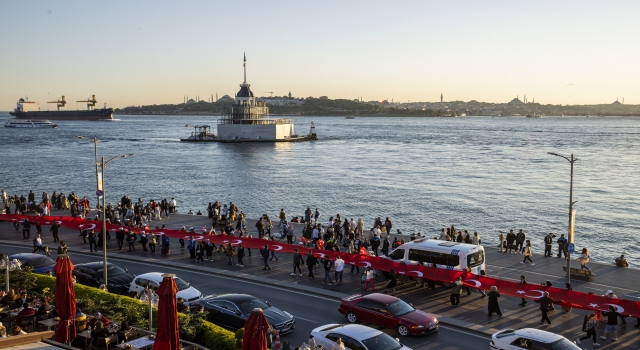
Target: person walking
{"type": "Point", "coordinates": [391, 285]}
{"type": "Point", "coordinates": [165, 246]}
{"type": "Point", "coordinates": [584, 259]}
{"type": "Point", "coordinates": [192, 247]}
{"type": "Point", "coordinates": [120, 236]}
{"type": "Point", "coordinates": [328, 264]}
{"type": "Point", "coordinates": [144, 240]}
{"type": "Point", "coordinates": [265, 256]}
{"type": "Point", "coordinates": [589, 326]}
{"type": "Point", "coordinates": [240, 254]}
{"type": "Point", "coordinates": [92, 241]}
{"type": "Point", "coordinates": [131, 239]}
{"type": "Point", "coordinates": [311, 263]}
{"type": "Point", "coordinates": [370, 279]}
{"type": "Point", "coordinates": [493, 302]}
{"type": "Point", "coordinates": [54, 230]}
{"type": "Point", "coordinates": [200, 252]}
{"type": "Point", "coordinates": [456, 290]}
{"type": "Point", "coordinates": [609, 294]}
{"type": "Point", "coordinates": [26, 229]}
{"type": "Point", "coordinates": [548, 244]}
{"type": "Point", "coordinates": [523, 280]}
{"type": "Point", "coordinates": [297, 260]}
{"type": "Point", "coordinates": [528, 253]}
{"type": "Point", "coordinates": [612, 323]}
{"type": "Point", "coordinates": [339, 270]}
{"type": "Point", "coordinates": [546, 305]}
{"type": "Point", "coordinates": [153, 240]}
{"type": "Point", "coordinates": [231, 252]}
{"type": "Point", "coordinates": [209, 248]}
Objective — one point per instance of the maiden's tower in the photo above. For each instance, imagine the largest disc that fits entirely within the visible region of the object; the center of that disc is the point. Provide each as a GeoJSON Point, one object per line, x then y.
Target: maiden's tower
{"type": "Point", "coordinates": [247, 120]}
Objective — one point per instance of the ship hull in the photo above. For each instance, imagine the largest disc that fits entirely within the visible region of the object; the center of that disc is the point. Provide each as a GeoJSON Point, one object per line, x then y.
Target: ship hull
{"type": "Point", "coordinates": [96, 114]}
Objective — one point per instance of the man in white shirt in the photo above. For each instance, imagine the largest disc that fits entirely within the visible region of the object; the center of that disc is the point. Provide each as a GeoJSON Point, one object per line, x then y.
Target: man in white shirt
{"type": "Point", "coordinates": [174, 206]}
{"type": "Point", "coordinates": [37, 243]}
{"type": "Point", "coordinates": [314, 233]}
{"type": "Point", "coordinates": [339, 269]}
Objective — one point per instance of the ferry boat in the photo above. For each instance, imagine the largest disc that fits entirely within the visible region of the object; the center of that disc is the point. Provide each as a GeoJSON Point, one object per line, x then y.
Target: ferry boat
{"type": "Point", "coordinates": [534, 116]}
{"type": "Point", "coordinates": [19, 123]}
{"type": "Point", "coordinates": [201, 133]}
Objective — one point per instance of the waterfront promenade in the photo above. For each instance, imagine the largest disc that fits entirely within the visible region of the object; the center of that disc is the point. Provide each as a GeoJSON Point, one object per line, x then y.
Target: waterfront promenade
{"type": "Point", "coordinates": [471, 315]}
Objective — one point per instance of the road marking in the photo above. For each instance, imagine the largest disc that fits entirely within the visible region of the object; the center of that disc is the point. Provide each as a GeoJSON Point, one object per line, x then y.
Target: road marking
{"type": "Point", "coordinates": [468, 333]}
{"type": "Point", "coordinates": [304, 319]}
{"type": "Point", "coordinates": [595, 288]}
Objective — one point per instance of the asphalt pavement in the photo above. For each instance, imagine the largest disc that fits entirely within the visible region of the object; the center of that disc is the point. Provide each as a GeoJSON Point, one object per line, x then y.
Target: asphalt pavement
{"type": "Point", "coordinates": [310, 310]}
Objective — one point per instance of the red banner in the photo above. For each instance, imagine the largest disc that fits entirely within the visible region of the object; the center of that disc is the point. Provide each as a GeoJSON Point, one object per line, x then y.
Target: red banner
{"type": "Point", "coordinates": [573, 299]}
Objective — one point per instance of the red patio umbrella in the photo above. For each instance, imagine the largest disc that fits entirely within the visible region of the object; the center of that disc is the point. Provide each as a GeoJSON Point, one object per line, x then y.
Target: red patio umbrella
{"type": "Point", "coordinates": [65, 299]}
{"type": "Point", "coordinates": [255, 331]}
{"type": "Point", "coordinates": [168, 335]}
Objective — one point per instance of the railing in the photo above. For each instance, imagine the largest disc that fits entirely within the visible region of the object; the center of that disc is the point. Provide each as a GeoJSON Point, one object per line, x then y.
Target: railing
{"type": "Point", "coordinates": [255, 121]}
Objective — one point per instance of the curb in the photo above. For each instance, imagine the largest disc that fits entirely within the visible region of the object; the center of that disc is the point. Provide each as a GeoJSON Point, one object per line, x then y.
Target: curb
{"type": "Point", "coordinates": [450, 322]}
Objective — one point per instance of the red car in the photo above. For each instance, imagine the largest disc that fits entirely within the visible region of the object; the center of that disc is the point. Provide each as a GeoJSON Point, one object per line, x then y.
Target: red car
{"type": "Point", "coordinates": [387, 311]}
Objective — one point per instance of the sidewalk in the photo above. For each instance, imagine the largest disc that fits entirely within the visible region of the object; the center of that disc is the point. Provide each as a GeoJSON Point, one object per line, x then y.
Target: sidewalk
{"type": "Point", "coordinates": [471, 314]}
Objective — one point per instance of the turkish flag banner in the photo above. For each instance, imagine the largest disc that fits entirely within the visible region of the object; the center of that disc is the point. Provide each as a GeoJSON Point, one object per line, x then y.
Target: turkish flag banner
{"type": "Point", "coordinates": [564, 297]}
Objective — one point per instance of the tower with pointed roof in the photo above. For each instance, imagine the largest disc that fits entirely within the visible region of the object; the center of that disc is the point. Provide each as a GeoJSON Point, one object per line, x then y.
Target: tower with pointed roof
{"type": "Point", "coordinates": [248, 119]}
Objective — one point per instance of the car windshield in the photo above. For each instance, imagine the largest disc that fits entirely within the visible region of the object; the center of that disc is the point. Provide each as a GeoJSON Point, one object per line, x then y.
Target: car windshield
{"type": "Point", "coordinates": [247, 306]}
{"type": "Point", "coordinates": [41, 261]}
{"type": "Point", "coordinates": [399, 307]}
{"type": "Point", "coordinates": [112, 270]}
{"type": "Point", "coordinates": [182, 285]}
{"type": "Point", "coordinates": [382, 341]}
{"type": "Point", "coordinates": [564, 344]}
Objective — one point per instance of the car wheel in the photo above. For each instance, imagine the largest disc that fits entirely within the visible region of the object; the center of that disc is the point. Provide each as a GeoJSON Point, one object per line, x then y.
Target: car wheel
{"type": "Point", "coordinates": [351, 317]}
{"type": "Point", "coordinates": [403, 330]}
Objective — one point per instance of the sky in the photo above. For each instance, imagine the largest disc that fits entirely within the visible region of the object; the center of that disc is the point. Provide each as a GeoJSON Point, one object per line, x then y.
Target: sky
{"type": "Point", "coordinates": [156, 52]}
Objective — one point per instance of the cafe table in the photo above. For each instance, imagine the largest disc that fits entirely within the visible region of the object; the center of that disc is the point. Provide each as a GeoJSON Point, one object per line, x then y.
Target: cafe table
{"type": "Point", "coordinates": [138, 343]}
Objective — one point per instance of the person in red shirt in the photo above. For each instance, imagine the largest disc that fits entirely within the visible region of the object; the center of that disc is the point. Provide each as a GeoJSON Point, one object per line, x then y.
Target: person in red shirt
{"type": "Point", "coordinates": [99, 317]}
{"type": "Point", "coordinates": [27, 312]}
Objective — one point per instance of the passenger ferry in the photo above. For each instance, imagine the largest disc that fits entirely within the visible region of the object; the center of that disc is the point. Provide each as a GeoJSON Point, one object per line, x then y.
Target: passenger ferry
{"type": "Point", "coordinates": [20, 123]}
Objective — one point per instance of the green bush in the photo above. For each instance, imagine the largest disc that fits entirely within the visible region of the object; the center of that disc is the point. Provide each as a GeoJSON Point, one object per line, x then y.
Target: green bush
{"type": "Point", "coordinates": [239, 338]}
{"type": "Point", "coordinates": [194, 328]}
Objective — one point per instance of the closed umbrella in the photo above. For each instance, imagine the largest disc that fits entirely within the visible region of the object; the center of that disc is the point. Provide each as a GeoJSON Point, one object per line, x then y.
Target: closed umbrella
{"type": "Point", "coordinates": [255, 331]}
{"type": "Point", "coordinates": [65, 299]}
{"type": "Point", "coordinates": [168, 335]}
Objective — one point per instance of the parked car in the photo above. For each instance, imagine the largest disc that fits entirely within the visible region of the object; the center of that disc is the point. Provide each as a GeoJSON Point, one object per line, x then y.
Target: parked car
{"type": "Point", "coordinates": [530, 338]}
{"type": "Point", "coordinates": [91, 274]}
{"type": "Point", "coordinates": [153, 279]}
{"type": "Point", "coordinates": [388, 311]}
{"type": "Point", "coordinates": [356, 336]}
{"type": "Point", "coordinates": [232, 311]}
{"type": "Point", "coordinates": [38, 262]}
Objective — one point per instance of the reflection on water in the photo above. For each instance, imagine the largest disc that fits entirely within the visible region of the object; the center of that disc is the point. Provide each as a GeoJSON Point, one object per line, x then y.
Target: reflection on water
{"type": "Point", "coordinates": [481, 174]}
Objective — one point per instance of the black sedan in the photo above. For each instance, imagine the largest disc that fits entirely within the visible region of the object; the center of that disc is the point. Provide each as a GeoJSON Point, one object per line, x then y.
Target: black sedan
{"type": "Point", "coordinates": [91, 274]}
{"type": "Point", "coordinates": [232, 311]}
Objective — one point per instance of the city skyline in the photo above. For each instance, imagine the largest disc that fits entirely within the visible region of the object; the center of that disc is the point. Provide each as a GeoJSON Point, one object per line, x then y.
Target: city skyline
{"type": "Point", "coordinates": [147, 53]}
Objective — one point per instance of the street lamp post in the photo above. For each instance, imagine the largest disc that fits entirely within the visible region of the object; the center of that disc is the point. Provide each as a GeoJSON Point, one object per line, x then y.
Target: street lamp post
{"type": "Point", "coordinates": [570, 227]}
{"type": "Point", "coordinates": [8, 266]}
{"type": "Point", "coordinates": [95, 153]}
{"type": "Point", "coordinates": [103, 164]}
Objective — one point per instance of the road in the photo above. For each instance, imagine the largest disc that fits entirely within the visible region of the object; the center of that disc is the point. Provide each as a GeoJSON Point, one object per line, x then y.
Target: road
{"type": "Point", "coordinates": [310, 311]}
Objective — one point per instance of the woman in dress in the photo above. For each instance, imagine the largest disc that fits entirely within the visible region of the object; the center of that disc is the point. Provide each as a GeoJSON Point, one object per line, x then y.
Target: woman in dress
{"type": "Point", "coordinates": [493, 301]}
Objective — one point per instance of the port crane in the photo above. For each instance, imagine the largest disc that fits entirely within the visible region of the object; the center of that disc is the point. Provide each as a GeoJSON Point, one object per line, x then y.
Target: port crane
{"type": "Point", "coordinates": [61, 102]}
{"type": "Point", "coordinates": [90, 102]}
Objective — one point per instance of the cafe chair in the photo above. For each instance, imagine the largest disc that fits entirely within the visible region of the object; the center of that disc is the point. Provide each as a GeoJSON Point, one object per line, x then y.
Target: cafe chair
{"type": "Point", "coordinates": [105, 343]}
{"type": "Point", "coordinates": [127, 335]}
{"type": "Point", "coordinates": [27, 323]}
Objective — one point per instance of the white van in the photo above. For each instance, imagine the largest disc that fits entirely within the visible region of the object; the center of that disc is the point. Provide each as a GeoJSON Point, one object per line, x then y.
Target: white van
{"type": "Point", "coordinates": [441, 254]}
{"type": "Point", "coordinates": [153, 280]}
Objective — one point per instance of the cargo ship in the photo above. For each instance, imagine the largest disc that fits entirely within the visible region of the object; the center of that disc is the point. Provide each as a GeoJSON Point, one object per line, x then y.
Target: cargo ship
{"type": "Point", "coordinates": [26, 109]}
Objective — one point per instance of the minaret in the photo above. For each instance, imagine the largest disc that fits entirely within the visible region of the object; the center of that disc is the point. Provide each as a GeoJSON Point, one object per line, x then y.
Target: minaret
{"type": "Point", "coordinates": [216, 97]}
{"type": "Point", "coordinates": [441, 98]}
{"type": "Point", "coordinates": [244, 65]}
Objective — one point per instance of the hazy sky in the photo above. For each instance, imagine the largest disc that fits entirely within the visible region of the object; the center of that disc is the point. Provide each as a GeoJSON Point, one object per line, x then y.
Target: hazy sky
{"type": "Point", "coordinates": [153, 52]}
